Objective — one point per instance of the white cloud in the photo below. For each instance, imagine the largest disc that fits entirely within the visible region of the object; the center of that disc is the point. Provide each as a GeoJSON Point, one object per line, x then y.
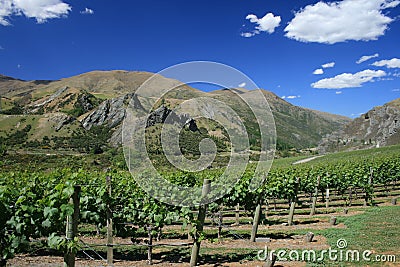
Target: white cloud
{"type": "Point", "coordinates": [391, 4]}
{"type": "Point", "coordinates": [329, 65]}
{"type": "Point", "coordinates": [318, 71]}
{"type": "Point", "coordinates": [396, 90]}
{"type": "Point", "coordinates": [349, 80]}
{"type": "Point", "coordinates": [290, 97]}
{"type": "Point", "coordinates": [242, 85]}
{"type": "Point", "coordinates": [391, 63]}
{"type": "Point", "coordinates": [356, 115]}
{"type": "Point", "coordinates": [41, 10]}
{"type": "Point", "coordinates": [365, 58]}
{"type": "Point", "coordinates": [247, 34]}
{"type": "Point", "coordinates": [384, 79]}
{"type": "Point", "coordinates": [268, 23]}
{"type": "Point", "coordinates": [293, 96]}
{"type": "Point", "coordinates": [87, 11]}
{"type": "Point", "coordinates": [6, 9]}
{"type": "Point", "coordinates": [341, 21]}
{"type": "Point", "coordinates": [338, 92]}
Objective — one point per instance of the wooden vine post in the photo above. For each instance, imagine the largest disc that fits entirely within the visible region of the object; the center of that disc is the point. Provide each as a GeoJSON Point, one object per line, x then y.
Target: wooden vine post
{"type": "Point", "coordinates": [256, 221]}
{"type": "Point", "coordinates": [314, 199]}
{"type": "Point", "coordinates": [110, 252]}
{"type": "Point", "coordinates": [150, 245]}
{"type": "Point", "coordinates": [237, 210]}
{"type": "Point", "coordinates": [327, 199]}
{"type": "Point", "coordinates": [369, 189]}
{"type": "Point", "coordinates": [220, 218]}
{"type": "Point", "coordinates": [350, 196]}
{"type": "Point", "coordinates": [293, 202]}
{"type": "Point", "coordinates": [72, 227]}
{"type": "Point", "coordinates": [200, 223]}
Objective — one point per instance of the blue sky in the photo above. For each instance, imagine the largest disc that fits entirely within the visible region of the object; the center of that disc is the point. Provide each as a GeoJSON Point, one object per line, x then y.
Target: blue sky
{"type": "Point", "coordinates": [341, 57]}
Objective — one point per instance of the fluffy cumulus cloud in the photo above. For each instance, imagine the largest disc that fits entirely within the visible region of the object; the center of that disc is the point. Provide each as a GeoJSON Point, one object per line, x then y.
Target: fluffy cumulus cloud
{"type": "Point", "coordinates": [268, 23]}
{"type": "Point", "coordinates": [242, 85]}
{"type": "Point", "coordinates": [365, 58]}
{"type": "Point", "coordinates": [291, 97]}
{"type": "Point", "coordinates": [318, 71]}
{"type": "Point", "coordinates": [333, 22]}
{"type": "Point", "coordinates": [87, 11]}
{"type": "Point", "coordinates": [6, 9]}
{"type": "Point", "coordinates": [324, 66]}
{"type": "Point", "coordinates": [329, 65]}
{"type": "Point", "coordinates": [248, 34]}
{"type": "Point", "coordinates": [349, 80]}
{"type": "Point", "coordinates": [41, 10]}
{"type": "Point", "coordinates": [391, 63]}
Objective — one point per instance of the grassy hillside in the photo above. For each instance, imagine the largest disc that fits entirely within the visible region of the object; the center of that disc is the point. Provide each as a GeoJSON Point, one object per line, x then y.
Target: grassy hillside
{"type": "Point", "coordinates": [55, 109]}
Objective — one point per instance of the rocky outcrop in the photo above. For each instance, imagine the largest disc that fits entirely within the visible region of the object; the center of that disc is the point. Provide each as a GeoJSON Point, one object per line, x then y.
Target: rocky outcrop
{"type": "Point", "coordinates": [60, 119]}
{"type": "Point", "coordinates": [84, 101]}
{"type": "Point", "coordinates": [51, 98]}
{"type": "Point", "coordinates": [111, 112]}
{"type": "Point", "coordinates": [161, 114]}
{"type": "Point", "coordinates": [378, 127]}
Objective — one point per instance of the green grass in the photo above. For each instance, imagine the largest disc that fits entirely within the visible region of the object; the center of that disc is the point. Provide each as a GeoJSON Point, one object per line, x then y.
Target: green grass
{"type": "Point", "coordinates": [376, 230]}
{"type": "Point", "coordinates": [104, 96]}
{"type": "Point", "coordinates": [6, 103]}
{"type": "Point", "coordinates": [286, 162]}
{"type": "Point", "coordinates": [10, 123]}
{"type": "Point", "coordinates": [349, 155]}
{"type": "Point", "coordinates": [339, 156]}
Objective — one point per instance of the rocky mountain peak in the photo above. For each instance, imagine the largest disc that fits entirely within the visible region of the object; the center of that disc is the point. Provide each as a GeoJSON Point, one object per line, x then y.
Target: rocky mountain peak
{"type": "Point", "coordinates": [379, 126]}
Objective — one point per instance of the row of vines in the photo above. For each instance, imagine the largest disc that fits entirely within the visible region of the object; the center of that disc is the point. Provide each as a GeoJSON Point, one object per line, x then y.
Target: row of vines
{"type": "Point", "coordinates": [34, 206]}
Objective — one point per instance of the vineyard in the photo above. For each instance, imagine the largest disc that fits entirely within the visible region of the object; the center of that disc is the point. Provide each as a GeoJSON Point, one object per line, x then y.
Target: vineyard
{"type": "Point", "coordinates": [105, 216]}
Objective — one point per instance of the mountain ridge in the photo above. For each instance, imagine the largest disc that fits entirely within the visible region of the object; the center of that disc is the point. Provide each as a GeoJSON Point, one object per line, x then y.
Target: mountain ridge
{"type": "Point", "coordinates": [380, 126]}
{"type": "Point", "coordinates": [80, 96]}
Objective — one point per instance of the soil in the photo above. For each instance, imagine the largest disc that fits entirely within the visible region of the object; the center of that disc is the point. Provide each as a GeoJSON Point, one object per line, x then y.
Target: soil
{"type": "Point", "coordinates": [214, 253]}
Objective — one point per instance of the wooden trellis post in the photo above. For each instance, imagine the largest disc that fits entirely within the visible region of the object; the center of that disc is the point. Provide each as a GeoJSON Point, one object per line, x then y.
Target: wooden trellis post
{"type": "Point", "coordinates": [293, 203]}
{"type": "Point", "coordinates": [200, 223]}
{"type": "Point", "coordinates": [110, 252]}
{"type": "Point", "coordinates": [72, 227]}
{"type": "Point", "coordinates": [315, 196]}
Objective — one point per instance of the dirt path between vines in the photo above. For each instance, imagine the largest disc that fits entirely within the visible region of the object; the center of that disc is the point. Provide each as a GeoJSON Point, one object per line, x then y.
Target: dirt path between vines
{"type": "Point", "coordinates": [306, 160]}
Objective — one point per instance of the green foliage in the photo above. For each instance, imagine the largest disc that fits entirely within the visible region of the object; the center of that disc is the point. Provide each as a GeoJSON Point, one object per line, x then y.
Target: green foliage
{"type": "Point", "coordinates": [3, 148]}
{"type": "Point", "coordinates": [17, 138]}
{"type": "Point", "coordinates": [35, 204]}
{"type": "Point", "coordinates": [32, 206]}
{"type": "Point", "coordinates": [15, 110]}
{"type": "Point", "coordinates": [82, 104]}
{"type": "Point", "coordinates": [91, 141]}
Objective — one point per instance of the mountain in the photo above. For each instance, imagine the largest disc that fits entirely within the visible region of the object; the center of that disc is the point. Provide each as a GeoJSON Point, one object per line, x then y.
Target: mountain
{"type": "Point", "coordinates": [296, 127]}
{"type": "Point", "coordinates": [66, 113]}
{"type": "Point", "coordinates": [378, 127]}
